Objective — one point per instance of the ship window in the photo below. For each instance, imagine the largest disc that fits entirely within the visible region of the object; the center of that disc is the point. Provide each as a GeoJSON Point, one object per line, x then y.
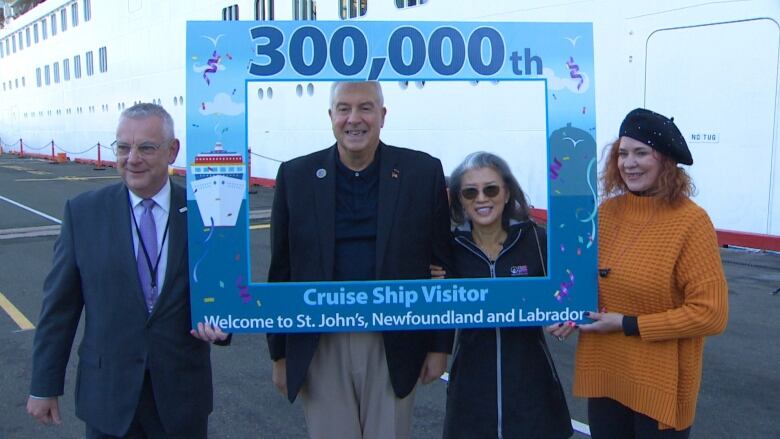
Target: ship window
{"type": "Point", "coordinates": [23, 82]}
{"type": "Point", "coordinates": [400, 4]}
{"type": "Point", "coordinates": [352, 8]}
{"type": "Point", "coordinates": [27, 37]}
{"type": "Point", "coordinates": [74, 14]}
{"type": "Point", "coordinates": [16, 82]}
{"type": "Point", "coordinates": [304, 10]}
{"type": "Point", "coordinates": [56, 73]}
{"type": "Point", "coordinates": [13, 42]}
{"type": "Point", "coordinates": [2, 50]}
{"type": "Point", "coordinates": [103, 55]}
{"type": "Point", "coordinates": [3, 86]}
{"type": "Point", "coordinates": [7, 47]}
{"type": "Point", "coordinates": [77, 67]}
{"type": "Point", "coordinates": [63, 19]}
{"type": "Point", "coordinates": [88, 62]}
{"type": "Point", "coordinates": [47, 74]}
{"type": "Point", "coordinates": [87, 10]}
{"type": "Point", "coordinates": [44, 29]}
{"type": "Point", "coordinates": [21, 41]}
{"type": "Point", "coordinates": [230, 13]}
{"type": "Point", "coordinates": [264, 10]}
{"type": "Point", "coordinates": [53, 18]}
{"type": "Point", "coordinates": [35, 32]}
{"type": "Point", "coordinates": [66, 69]}
{"type": "Point", "coordinates": [38, 76]}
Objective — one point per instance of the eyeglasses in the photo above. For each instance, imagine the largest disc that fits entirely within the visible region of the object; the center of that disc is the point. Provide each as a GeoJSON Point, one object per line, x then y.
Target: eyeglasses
{"type": "Point", "coordinates": [145, 149]}
{"type": "Point", "coordinates": [490, 191]}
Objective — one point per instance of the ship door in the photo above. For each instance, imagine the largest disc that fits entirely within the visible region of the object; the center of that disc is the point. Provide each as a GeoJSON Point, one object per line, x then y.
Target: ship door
{"type": "Point", "coordinates": [720, 83]}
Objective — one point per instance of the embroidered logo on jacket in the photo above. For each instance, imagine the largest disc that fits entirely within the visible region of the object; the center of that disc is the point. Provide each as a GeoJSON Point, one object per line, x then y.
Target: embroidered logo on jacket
{"type": "Point", "coordinates": [519, 270]}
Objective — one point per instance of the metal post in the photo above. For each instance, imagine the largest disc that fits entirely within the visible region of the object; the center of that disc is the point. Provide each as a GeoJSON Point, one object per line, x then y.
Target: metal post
{"type": "Point", "coordinates": [54, 159]}
{"type": "Point", "coordinates": [99, 166]}
{"type": "Point", "coordinates": [21, 148]}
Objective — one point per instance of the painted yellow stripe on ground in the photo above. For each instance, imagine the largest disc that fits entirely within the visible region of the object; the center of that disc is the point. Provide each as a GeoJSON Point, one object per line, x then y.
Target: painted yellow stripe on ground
{"type": "Point", "coordinates": [15, 314]}
{"type": "Point", "coordinates": [260, 226]}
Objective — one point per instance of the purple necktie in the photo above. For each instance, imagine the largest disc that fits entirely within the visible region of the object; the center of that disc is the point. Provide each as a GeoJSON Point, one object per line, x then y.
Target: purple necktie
{"type": "Point", "coordinates": [147, 260]}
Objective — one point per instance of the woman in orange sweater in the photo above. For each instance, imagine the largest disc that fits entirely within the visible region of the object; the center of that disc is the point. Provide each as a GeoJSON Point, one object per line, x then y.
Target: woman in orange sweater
{"type": "Point", "coordinates": [661, 289]}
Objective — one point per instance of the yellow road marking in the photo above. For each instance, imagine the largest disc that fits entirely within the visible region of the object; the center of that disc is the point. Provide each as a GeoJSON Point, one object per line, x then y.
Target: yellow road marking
{"type": "Point", "coordinates": [260, 226]}
{"type": "Point", "coordinates": [69, 178]}
{"type": "Point", "coordinates": [15, 314]}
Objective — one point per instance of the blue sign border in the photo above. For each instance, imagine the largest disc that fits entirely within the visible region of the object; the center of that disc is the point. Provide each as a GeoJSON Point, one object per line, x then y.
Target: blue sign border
{"type": "Point", "coordinates": [560, 54]}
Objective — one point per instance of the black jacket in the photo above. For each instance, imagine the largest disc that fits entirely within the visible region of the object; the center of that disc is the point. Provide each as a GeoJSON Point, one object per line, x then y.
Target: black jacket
{"type": "Point", "coordinates": [413, 231]}
{"type": "Point", "coordinates": [503, 383]}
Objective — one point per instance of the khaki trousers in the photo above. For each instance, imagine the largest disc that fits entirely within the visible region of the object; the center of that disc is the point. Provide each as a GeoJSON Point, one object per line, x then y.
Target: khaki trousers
{"type": "Point", "coordinates": [347, 393]}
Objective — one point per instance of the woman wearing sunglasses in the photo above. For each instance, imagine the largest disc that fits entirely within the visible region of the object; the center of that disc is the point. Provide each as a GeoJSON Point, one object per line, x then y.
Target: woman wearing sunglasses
{"type": "Point", "coordinates": [503, 383]}
{"type": "Point", "coordinates": [661, 289]}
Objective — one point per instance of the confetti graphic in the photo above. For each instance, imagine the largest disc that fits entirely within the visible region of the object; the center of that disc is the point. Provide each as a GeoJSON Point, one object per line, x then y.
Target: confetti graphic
{"type": "Point", "coordinates": [564, 290]}
{"type": "Point", "coordinates": [554, 168]}
{"type": "Point", "coordinates": [574, 72]}
{"type": "Point", "coordinates": [212, 68]}
{"type": "Point", "coordinates": [243, 290]}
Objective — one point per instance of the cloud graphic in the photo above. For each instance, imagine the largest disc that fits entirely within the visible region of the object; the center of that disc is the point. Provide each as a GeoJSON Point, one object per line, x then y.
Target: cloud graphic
{"type": "Point", "coordinates": [200, 68]}
{"type": "Point", "coordinates": [557, 83]}
{"type": "Point", "coordinates": [222, 104]}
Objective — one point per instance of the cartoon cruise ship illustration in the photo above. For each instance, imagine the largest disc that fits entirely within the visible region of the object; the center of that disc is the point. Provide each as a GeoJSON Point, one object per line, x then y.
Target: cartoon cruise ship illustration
{"type": "Point", "coordinates": [219, 186]}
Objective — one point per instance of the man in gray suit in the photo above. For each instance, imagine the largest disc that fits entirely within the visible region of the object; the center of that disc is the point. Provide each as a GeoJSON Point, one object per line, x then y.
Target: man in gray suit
{"type": "Point", "coordinates": [121, 257]}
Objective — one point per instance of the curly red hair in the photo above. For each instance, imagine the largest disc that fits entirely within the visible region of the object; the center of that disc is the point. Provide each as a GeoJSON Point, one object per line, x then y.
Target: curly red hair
{"type": "Point", "coordinates": [673, 184]}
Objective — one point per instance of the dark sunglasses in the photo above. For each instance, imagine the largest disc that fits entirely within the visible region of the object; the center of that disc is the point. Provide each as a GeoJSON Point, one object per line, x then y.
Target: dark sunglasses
{"type": "Point", "coordinates": [490, 191]}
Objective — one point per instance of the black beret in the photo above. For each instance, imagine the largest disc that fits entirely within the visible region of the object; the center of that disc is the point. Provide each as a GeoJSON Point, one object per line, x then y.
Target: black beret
{"type": "Point", "coordinates": [658, 132]}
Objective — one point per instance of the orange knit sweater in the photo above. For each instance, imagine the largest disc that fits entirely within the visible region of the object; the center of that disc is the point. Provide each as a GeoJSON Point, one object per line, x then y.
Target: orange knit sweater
{"type": "Point", "coordinates": [665, 268]}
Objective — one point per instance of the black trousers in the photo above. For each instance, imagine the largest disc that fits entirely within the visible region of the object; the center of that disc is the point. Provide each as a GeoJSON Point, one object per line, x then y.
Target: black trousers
{"type": "Point", "coordinates": [610, 419]}
{"type": "Point", "coordinates": [146, 423]}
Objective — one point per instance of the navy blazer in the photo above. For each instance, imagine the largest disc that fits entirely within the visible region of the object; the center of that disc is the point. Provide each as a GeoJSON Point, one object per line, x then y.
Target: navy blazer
{"type": "Point", "coordinates": [94, 269]}
{"type": "Point", "coordinates": [413, 231]}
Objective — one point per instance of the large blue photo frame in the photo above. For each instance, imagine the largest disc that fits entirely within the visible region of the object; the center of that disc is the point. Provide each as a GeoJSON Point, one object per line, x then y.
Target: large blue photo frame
{"type": "Point", "coordinates": [558, 55]}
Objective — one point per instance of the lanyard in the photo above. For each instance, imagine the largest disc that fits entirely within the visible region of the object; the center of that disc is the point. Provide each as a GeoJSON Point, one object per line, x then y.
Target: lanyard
{"type": "Point", "coordinates": [152, 268]}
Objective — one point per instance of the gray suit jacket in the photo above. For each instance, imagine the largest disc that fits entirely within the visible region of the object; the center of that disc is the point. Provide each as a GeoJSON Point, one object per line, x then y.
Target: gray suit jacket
{"type": "Point", "coordinates": [94, 269]}
{"type": "Point", "coordinates": [413, 231]}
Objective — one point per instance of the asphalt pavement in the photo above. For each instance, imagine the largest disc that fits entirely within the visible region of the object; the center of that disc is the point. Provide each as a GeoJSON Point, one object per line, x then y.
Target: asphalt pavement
{"type": "Point", "coordinates": [739, 398]}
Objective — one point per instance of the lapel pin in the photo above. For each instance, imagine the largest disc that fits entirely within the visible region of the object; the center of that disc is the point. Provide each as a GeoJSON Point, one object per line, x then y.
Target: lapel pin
{"type": "Point", "coordinates": [395, 173]}
{"type": "Point", "coordinates": [321, 173]}
{"type": "Point", "coordinates": [182, 209]}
